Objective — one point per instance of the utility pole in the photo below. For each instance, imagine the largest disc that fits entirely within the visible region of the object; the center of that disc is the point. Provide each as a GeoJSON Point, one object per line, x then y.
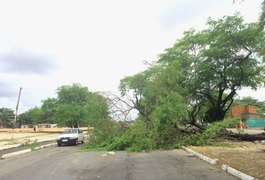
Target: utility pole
{"type": "Point", "coordinates": [15, 115]}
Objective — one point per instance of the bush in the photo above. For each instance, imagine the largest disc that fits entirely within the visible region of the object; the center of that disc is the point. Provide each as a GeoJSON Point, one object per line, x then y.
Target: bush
{"type": "Point", "coordinates": [32, 144]}
{"type": "Point", "coordinates": [213, 131]}
{"type": "Point", "coordinates": [104, 134]}
{"type": "Point", "coordinates": [137, 138]}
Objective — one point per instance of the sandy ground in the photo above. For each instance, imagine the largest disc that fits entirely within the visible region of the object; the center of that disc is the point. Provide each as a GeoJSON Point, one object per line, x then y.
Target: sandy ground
{"type": "Point", "coordinates": [9, 138]}
{"type": "Point", "coordinates": [19, 135]}
{"type": "Point", "coordinates": [247, 157]}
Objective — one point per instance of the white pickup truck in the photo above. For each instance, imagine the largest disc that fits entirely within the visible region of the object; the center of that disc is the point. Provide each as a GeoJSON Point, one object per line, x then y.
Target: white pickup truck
{"type": "Point", "coordinates": [71, 136]}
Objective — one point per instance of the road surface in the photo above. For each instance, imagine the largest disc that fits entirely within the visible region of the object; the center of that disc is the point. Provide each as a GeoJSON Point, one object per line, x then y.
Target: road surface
{"type": "Point", "coordinates": [68, 163]}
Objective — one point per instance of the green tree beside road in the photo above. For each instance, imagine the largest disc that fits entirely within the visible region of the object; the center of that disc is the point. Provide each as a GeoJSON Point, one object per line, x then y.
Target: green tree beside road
{"type": "Point", "coordinates": [74, 106]}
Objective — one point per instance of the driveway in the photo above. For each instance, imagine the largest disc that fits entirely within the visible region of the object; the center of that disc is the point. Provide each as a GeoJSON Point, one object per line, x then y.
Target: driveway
{"type": "Point", "coordinates": [68, 162]}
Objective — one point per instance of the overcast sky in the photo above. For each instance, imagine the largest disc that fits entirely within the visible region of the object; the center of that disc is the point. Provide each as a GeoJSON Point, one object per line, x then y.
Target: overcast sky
{"type": "Point", "coordinates": [50, 43]}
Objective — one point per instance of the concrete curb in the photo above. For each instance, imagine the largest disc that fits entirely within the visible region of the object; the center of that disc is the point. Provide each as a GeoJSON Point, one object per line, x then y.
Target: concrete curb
{"type": "Point", "coordinates": [17, 145]}
{"type": "Point", "coordinates": [44, 146]}
{"type": "Point", "coordinates": [237, 173]}
{"type": "Point", "coordinates": [52, 139]}
{"type": "Point", "coordinates": [205, 158]}
{"type": "Point", "coordinates": [5, 156]}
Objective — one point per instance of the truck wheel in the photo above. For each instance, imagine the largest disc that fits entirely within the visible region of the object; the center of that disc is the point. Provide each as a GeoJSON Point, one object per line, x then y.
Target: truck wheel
{"type": "Point", "coordinates": [82, 141]}
{"type": "Point", "coordinates": [59, 144]}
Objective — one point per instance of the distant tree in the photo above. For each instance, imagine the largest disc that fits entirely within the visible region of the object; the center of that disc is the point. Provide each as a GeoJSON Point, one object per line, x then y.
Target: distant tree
{"type": "Point", "coordinates": [49, 108]}
{"type": "Point", "coordinates": [25, 118]}
{"type": "Point", "coordinates": [36, 115]}
{"type": "Point", "coordinates": [71, 107]}
{"type": "Point", "coordinates": [76, 106]}
{"type": "Point", "coordinates": [6, 117]}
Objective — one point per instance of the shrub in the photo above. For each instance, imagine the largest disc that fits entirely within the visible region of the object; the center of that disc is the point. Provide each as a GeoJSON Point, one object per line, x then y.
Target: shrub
{"type": "Point", "coordinates": [32, 144]}
{"type": "Point", "coordinates": [212, 132]}
{"type": "Point", "coordinates": [137, 138]}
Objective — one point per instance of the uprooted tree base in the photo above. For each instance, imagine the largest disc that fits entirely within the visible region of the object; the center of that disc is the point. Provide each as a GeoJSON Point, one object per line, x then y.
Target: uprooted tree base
{"type": "Point", "coordinates": [247, 137]}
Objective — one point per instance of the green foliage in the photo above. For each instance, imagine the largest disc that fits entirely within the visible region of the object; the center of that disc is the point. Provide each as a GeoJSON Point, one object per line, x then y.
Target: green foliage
{"type": "Point", "coordinates": [71, 107]}
{"type": "Point", "coordinates": [32, 144]}
{"type": "Point", "coordinates": [218, 61]}
{"type": "Point", "coordinates": [36, 115]}
{"type": "Point", "coordinates": [162, 133]}
{"type": "Point", "coordinates": [6, 117]}
{"type": "Point", "coordinates": [49, 109]}
{"type": "Point", "coordinates": [77, 106]}
{"type": "Point", "coordinates": [137, 138]}
{"type": "Point", "coordinates": [98, 108]}
{"type": "Point", "coordinates": [167, 118]}
{"type": "Point", "coordinates": [104, 133]}
{"type": "Point", "coordinates": [73, 94]}
{"type": "Point", "coordinates": [32, 116]}
{"type": "Point", "coordinates": [69, 115]}
{"type": "Point", "coordinates": [25, 118]}
{"type": "Point", "coordinates": [213, 132]}
{"type": "Point", "coordinates": [114, 136]}
{"type": "Point", "coordinates": [74, 106]}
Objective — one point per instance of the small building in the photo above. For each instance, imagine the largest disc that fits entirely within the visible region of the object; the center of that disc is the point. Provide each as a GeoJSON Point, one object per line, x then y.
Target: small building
{"type": "Point", "coordinates": [238, 110]}
{"type": "Point", "coordinates": [248, 115]}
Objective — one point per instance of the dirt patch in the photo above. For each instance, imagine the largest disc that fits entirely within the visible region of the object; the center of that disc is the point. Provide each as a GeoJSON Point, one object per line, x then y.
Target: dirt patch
{"type": "Point", "coordinates": [247, 157]}
{"type": "Point", "coordinates": [9, 138]}
{"type": "Point", "coordinates": [39, 129]}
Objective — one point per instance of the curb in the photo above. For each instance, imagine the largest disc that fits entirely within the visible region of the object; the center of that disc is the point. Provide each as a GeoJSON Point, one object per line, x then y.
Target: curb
{"type": "Point", "coordinates": [17, 145]}
{"type": "Point", "coordinates": [205, 158]}
{"type": "Point", "coordinates": [236, 173]}
{"type": "Point", "coordinates": [52, 139]}
{"type": "Point", "coordinates": [5, 156]}
{"type": "Point", "coordinates": [44, 146]}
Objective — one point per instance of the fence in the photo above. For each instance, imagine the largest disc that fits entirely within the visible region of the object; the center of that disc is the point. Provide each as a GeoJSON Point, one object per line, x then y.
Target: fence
{"type": "Point", "coordinates": [252, 120]}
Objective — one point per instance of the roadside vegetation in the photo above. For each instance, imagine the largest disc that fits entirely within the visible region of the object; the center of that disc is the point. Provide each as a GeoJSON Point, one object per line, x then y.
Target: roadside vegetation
{"type": "Point", "coordinates": [32, 144]}
{"type": "Point", "coordinates": [182, 98]}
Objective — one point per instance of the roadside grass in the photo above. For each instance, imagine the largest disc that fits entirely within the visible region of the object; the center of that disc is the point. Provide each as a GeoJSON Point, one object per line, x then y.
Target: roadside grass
{"type": "Point", "coordinates": [32, 144]}
{"type": "Point", "coordinates": [9, 141]}
{"type": "Point", "coordinates": [223, 144]}
{"type": "Point", "coordinates": [247, 157]}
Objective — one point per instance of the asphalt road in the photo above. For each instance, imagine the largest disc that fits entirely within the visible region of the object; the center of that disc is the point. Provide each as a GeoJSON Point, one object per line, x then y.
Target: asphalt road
{"type": "Point", "coordinates": [68, 163]}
